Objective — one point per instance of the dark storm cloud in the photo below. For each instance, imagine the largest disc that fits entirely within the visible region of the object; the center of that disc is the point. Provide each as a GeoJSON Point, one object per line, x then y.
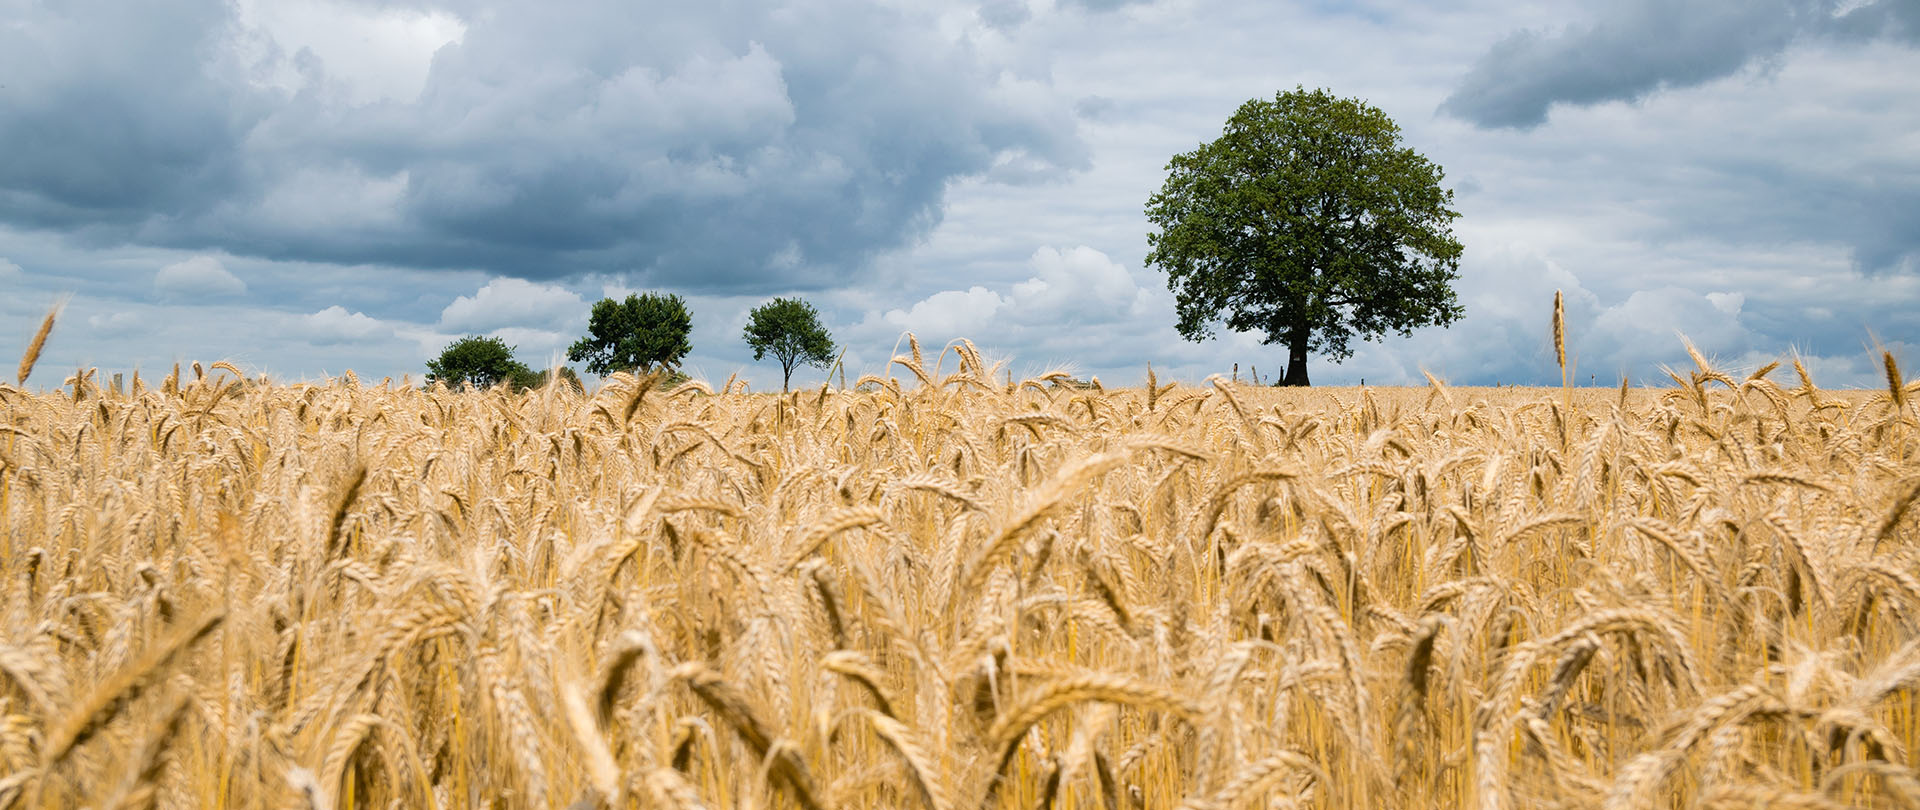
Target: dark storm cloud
{"type": "Point", "coordinates": [109, 118]}
{"type": "Point", "coordinates": [707, 147]}
{"type": "Point", "coordinates": [1873, 209]}
{"type": "Point", "coordinates": [1637, 48]}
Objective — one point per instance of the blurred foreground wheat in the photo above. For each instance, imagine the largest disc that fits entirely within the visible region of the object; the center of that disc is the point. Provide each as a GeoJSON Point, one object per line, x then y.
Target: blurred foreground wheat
{"type": "Point", "coordinates": [221, 593]}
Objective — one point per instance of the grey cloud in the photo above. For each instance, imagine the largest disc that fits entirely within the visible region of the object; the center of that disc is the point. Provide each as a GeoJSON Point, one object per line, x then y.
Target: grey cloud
{"type": "Point", "coordinates": [706, 147]}
{"type": "Point", "coordinates": [1094, 108]}
{"type": "Point", "coordinates": [1874, 209]}
{"type": "Point", "coordinates": [1894, 18]}
{"type": "Point", "coordinates": [1634, 49]}
{"type": "Point", "coordinates": [1641, 47]}
{"type": "Point", "coordinates": [111, 116]}
{"type": "Point", "coordinates": [1005, 15]}
{"type": "Point", "coordinates": [1105, 5]}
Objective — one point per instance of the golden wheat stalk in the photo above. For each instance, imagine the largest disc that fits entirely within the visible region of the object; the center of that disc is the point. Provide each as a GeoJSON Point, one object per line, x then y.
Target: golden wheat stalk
{"type": "Point", "coordinates": [112, 696]}
{"type": "Point", "coordinates": [785, 765]}
{"type": "Point", "coordinates": [1559, 332]}
{"type": "Point", "coordinates": [39, 342]}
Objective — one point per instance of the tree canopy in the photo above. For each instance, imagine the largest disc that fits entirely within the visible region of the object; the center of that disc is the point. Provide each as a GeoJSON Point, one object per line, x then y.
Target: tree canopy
{"type": "Point", "coordinates": [790, 330]}
{"type": "Point", "coordinates": [640, 333]}
{"type": "Point", "coordinates": [528, 378]}
{"type": "Point", "coordinates": [489, 361]}
{"type": "Point", "coordinates": [1308, 221]}
{"type": "Point", "coordinates": [483, 361]}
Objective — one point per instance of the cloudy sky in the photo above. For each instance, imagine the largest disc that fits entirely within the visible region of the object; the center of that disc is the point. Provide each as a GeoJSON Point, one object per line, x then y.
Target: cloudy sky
{"type": "Point", "coordinates": [309, 186]}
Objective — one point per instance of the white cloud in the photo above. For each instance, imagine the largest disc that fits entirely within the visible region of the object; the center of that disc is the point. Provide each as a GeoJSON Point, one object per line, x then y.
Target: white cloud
{"type": "Point", "coordinates": [1075, 287]}
{"type": "Point", "coordinates": [200, 276]}
{"type": "Point", "coordinates": [335, 325]}
{"type": "Point", "coordinates": [1079, 285]}
{"type": "Point", "coordinates": [537, 348]}
{"type": "Point", "coordinates": [512, 302]}
{"type": "Point", "coordinates": [1646, 328]}
{"type": "Point", "coordinates": [373, 52]}
{"type": "Point", "coordinates": [947, 314]}
{"type": "Point", "coordinates": [8, 270]}
{"type": "Point", "coordinates": [1727, 302]}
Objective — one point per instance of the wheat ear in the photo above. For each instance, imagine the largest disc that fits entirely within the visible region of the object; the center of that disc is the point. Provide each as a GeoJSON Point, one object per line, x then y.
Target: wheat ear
{"type": "Point", "coordinates": [627, 651]}
{"type": "Point", "coordinates": [784, 765]}
{"type": "Point", "coordinates": [110, 698]}
{"type": "Point", "coordinates": [347, 496]}
{"type": "Point", "coordinates": [1064, 483]}
{"type": "Point", "coordinates": [1559, 331]}
{"type": "Point", "coordinates": [142, 781]}
{"type": "Point", "coordinates": [1896, 388]}
{"type": "Point", "coordinates": [34, 346]}
{"type": "Point", "coordinates": [861, 671]}
{"type": "Point", "coordinates": [901, 738]}
{"type": "Point", "coordinates": [601, 767]}
{"type": "Point", "coordinates": [1008, 729]}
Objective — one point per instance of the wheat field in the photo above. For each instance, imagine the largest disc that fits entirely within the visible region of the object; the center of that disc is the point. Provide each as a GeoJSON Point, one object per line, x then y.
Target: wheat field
{"type": "Point", "coordinates": [944, 591]}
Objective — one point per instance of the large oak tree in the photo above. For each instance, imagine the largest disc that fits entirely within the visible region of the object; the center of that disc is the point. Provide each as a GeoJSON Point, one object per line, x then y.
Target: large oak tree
{"type": "Point", "coordinates": [1309, 222]}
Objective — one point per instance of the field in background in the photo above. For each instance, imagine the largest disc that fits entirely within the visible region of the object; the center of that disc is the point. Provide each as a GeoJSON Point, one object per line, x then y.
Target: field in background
{"type": "Point", "coordinates": [958, 596]}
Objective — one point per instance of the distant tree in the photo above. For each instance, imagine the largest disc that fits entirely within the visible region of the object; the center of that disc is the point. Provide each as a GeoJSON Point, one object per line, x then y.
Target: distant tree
{"type": "Point", "coordinates": [638, 334]}
{"type": "Point", "coordinates": [483, 361]}
{"type": "Point", "coordinates": [1306, 220]}
{"type": "Point", "coordinates": [790, 330]}
{"type": "Point", "coordinates": [527, 378]}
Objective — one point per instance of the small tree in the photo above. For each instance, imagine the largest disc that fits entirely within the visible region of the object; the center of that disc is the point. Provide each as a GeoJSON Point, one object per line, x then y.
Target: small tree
{"type": "Point", "coordinates": [790, 330]}
{"type": "Point", "coordinates": [639, 333]}
{"type": "Point", "coordinates": [1308, 221]}
{"type": "Point", "coordinates": [483, 361]}
{"type": "Point", "coordinates": [527, 378]}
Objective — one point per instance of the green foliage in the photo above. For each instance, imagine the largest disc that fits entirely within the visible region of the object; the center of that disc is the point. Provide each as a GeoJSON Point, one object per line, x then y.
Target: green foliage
{"type": "Point", "coordinates": [790, 330]}
{"type": "Point", "coordinates": [1308, 221]}
{"type": "Point", "coordinates": [639, 333]}
{"type": "Point", "coordinates": [527, 379]}
{"type": "Point", "coordinates": [483, 361]}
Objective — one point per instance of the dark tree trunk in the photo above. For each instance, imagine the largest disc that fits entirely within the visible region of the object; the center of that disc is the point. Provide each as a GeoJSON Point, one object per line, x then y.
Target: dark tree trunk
{"type": "Point", "coordinates": [1297, 357]}
{"type": "Point", "coordinates": [786, 376]}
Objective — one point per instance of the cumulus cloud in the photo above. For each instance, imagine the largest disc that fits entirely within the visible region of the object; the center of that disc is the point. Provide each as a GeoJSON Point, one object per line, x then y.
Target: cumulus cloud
{"type": "Point", "coordinates": [1652, 324]}
{"type": "Point", "coordinates": [1076, 303]}
{"type": "Point", "coordinates": [949, 313]}
{"type": "Point", "coordinates": [1072, 287]}
{"type": "Point", "coordinates": [1640, 47]}
{"type": "Point", "coordinates": [695, 146]}
{"type": "Point", "coordinates": [1076, 285]}
{"type": "Point", "coordinates": [200, 276]}
{"type": "Point", "coordinates": [512, 302]}
{"type": "Point", "coordinates": [335, 325]}
{"type": "Point", "coordinates": [369, 53]}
